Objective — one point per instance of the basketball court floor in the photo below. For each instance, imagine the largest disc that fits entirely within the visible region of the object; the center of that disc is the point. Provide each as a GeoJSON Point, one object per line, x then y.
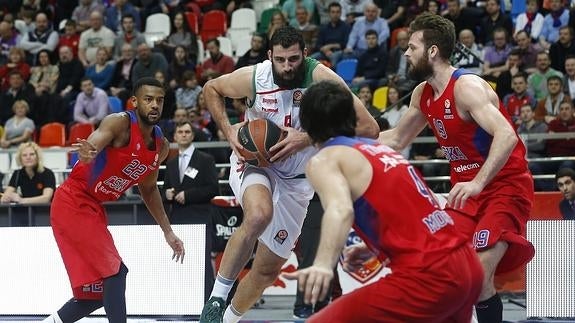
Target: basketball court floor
{"type": "Point", "coordinates": [279, 309]}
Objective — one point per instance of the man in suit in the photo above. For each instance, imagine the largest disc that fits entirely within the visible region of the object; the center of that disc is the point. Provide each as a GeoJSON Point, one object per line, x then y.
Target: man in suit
{"type": "Point", "coordinates": [565, 178]}
{"type": "Point", "coordinates": [191, 180]}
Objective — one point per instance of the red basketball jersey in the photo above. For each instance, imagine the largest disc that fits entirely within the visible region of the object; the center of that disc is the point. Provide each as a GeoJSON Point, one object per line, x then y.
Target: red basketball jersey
{"type": "Point", "coordinates": [398, 215]}
{"type": "Point", "coordinates": [114, 170]}
{"type": "Point", "coordinates": [465, 144]}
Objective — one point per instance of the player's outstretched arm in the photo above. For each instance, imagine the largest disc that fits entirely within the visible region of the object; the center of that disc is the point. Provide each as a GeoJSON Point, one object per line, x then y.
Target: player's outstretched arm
{"type": "Point", "coordinates": [151, 197]}
{"type": "Point", "coordinates": [326, 177]}
{"type": "Point", "coordinates": [366, 124]}
{"type": "Point", "coordinates": [236, 85]}
{"type": "Point", "coordinates": [409, 126]}
{"type": "Point", "coordinates": [110, 128]}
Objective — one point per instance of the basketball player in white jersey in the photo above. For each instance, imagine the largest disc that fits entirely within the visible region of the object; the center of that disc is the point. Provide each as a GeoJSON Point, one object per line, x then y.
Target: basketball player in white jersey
{"type": "Point", "coordinates": [274, 199]}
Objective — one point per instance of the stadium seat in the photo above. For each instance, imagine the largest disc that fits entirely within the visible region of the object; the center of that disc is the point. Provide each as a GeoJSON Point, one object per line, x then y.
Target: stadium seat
{"type": "Point", "coordinates": [214, 24]}
{"type": "Point", "coordinates": [262, 5]}
{"type": "Point", "coordinates": [115, 104]}
{"type": "Point", "coordinates": [195, 8]}
{"type": "Point", "coordinates": [346, 69]}
{"type": "Point", "coordinates": [244, 18]}
{"type": "Point", "coordinates": [52, 134]}
{"type": "Point", "coordinates": [201, 52]}
{"type": "Point", "coordinates": [243, 45]}
{"type": "Point", "coordinates": [238, 35]}
{"type": "Point", "coordinates": [266, 17]}
{"type": "Point", "coordinates": [157, 28]}
{"type": "Point", "coordinates": [193, 22]}
{"type": "Point", "coordinates": [226, 46]}
{"type": "Point", "coordinates": [20, 25]}
{"type": "Point", "coordinates": [81, 131]}
{"type": "Point", "coordinates": [380, 98]}
{"type": "Point", "coordinates": [204, 3]}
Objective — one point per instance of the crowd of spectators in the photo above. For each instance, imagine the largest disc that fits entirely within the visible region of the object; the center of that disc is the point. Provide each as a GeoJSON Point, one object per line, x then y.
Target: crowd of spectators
{"type": "Point", "coordinates": [61, 60]}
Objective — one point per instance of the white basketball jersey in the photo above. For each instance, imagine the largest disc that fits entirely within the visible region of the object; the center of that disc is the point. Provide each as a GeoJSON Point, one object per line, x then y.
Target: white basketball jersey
{"type": "Point", "coordinates": [282, 107]}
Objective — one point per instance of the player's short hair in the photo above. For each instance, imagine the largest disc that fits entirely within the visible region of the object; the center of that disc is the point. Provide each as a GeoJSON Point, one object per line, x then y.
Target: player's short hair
{"type": "Point", "coordinates": [327, 111]}
{"type": "Point", "coordinates": [287, 36]}
{"type": "Point", "coordinates": [146, 81]}
{"type": "Point", "coordinates": [437, 30]}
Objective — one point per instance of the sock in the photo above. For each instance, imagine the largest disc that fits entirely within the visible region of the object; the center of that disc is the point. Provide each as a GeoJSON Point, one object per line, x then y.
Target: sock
{"type": "Point", "coordinates": [490, 310]}
{"type": "Point", "coordinates": [222, 287]}
{"type": "Point", "coordinates": [76, 309]}
{"type": "Point", "coordinates": [115, 296]}
{"type": "Point", "coordinates": [232, 315]}
{"type": "Point", "coordinates": [54, 318]}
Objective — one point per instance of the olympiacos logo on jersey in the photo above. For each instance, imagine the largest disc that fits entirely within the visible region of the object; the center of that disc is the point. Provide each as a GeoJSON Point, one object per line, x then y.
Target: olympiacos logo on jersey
{"type": "Point", "coordinates": [440, 128]}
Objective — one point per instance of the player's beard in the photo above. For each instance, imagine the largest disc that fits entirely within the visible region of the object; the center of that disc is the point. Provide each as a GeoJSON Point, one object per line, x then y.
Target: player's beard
{"type": "Point", "coordinates": [422, 70]}
{"type": "Point", "coordinates": [298, 76]}
{"type": "Point", "coordinates": [146, 119]}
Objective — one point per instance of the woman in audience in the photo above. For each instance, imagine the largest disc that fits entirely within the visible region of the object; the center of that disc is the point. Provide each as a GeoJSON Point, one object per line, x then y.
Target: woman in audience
{"type": "Point", "coordinates": [366, 96]}
{"type": "Point", "coordinates": [169, 96]}
{"type": "Point", "coordinates": [394, 111]}
{"type": "Point", "coordinates": [32, 183]}
{"type": "Point", "coordinates": [44, 77]}
{"type": "Point", "coordinates": [181, 35]}
{"type": "Point", "coordinates": [102, 71]}
{"type": "Point", "coordinates": [278, 20]}
{"type": "Point", "coordinates": [16, 61]}
{"type": "Point", "coordinates": [19, 128]}
{"type": "Point", "coordinates": [181, 63]}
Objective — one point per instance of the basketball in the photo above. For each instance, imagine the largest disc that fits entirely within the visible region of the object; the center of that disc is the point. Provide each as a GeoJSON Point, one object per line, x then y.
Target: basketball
{"type": "Point", "coordinates": [257, 137]}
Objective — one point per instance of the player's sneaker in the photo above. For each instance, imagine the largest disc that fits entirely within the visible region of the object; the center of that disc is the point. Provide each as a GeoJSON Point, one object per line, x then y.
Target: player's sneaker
{"type": "Point", "coordinates": [213, 311]}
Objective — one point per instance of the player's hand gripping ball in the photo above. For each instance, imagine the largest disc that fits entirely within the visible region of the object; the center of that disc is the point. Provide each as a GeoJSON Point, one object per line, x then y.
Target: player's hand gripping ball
{"type": "Point", "coordinates": [257, 137]}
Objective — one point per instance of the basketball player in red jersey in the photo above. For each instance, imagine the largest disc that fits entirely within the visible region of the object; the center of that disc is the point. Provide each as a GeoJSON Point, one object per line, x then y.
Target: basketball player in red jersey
{"type": "Point", "coordinates": [489, 173]}
{"type": "Point", "coordinates": [126, 149]}
{"type": "Point", "coordinates": [274, 199]}
{"type": "Point", "coordinates": [436, 276]}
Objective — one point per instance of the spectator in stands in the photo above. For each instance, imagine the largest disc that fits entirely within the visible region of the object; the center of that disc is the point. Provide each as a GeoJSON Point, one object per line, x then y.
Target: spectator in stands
{"type": "Point", "coordinates": [168, 125]}
{"type": "Point", "coordinates": [256, 54]}
{"type": "Point", "coordinates": [394, 111]}
{"type": "Point", "coordinates": [71, 72]}
{"type": "Point", "coordinates": [553, 21]}
{"type": "Point", "coordinates": [397, 65]}
{"type": "Point", "coordinates": [190, 180]}
{"type": "Point", "coordinates": [93, 38]}
{"type": "Point", "coordinates": [322, 9]}
{"type": "Point", "coordinates": [356, 43]}
{"type": "Point", "coordinates": [148, 63]}
{"type": "Point", "coordinates": [372, 63]}
{"type": "Point", "coordinates": [128, 35]}
{"type": "Point", "coordinates": [91, 104]}
{"type": "Point", "coordinates": [469, 59]}
{"type": "Point", "coordinates": [218, 63]}
{"type": "Point", "coordinates": [504, 81]}
{"type": "Point", "coordinates": [562, 48]}
{"type": "Point", "coordinates": [530, 21]}
{"type": "Point", "coordinates": [304, 25]}
{"type": "Point", "coordinates": [565, 179]}
{"type": "Point", "coordinates": [365, 95]}
{"type": "Point", "coordinates": [565, 122]}
{"type": "Point", "coordinates": [494, 19]}
{"type": "Point", "coordinates": [527, 51]}
{"type": "Point", "coordinates": [548, 108]}
{"type": "Point", "coordinates": [19, 128]}
{"type": "Point", "coordinates": [537, 81]}
{"type": "Point", "coordinates": [569, 79]}
{"type": "Point", "coordinates": [9, 38]}
{"type": "Point", "coordinates": [121, 85]}
{"type": "Point", "coordinates": [187, 94]}
{"type": "Point", "coordinates": [180, 35]}
{"type": "Point", "coordinates": [16, 62]}
{"type": "Point", "coordinates": [42, 37]}
{"type": "Point", "coordinates": [17, 90]}
{"type": "Point", "coordinates": [535, 147]}
{"type": "Point", "coordinates": [44, 77]}
{"type": "Point", "coordinates": [495, 55]}
{"type": "Point", "coordinates": [520, 97]}
{"type": "Point", "coordinates": [114, 15]}
{"type": "Point", "coordinates": [462, 17]}
{"type": "Point", "coordinates": [289, 9]}
{"type": "Point", "coordinates": [179, 64]}
{"type": "Point", "coordinates": [82, 14]}
{"type": "Point", "coordinates": [394, 12]}
{"type": "Point", "coordinates": [70, 37]}
{"type": "Point", "coordinates": [32, 183]}
{"type": "Point", "coordinates": [102, 71]}
{"type": "Point", "coordinates": [351, 9]}
{"type": "Point", "coordinates": [278, 20]}
{"type": "Point", "coordinates": [150, 7]}
{"type": "Point", "coordinates": [169, 95]}
{"type": "Point", "coordinates": [332, 36]}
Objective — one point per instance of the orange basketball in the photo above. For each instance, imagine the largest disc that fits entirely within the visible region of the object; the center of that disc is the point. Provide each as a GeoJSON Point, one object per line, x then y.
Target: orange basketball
{"type": "Point", "coordinates": [257, 137]}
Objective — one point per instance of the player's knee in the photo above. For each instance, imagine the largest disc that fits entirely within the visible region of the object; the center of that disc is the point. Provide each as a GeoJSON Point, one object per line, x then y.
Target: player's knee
{"type": "Point", "coordinates": [256, 220]}
{"type": "Point", "coordinates": [267, 274]}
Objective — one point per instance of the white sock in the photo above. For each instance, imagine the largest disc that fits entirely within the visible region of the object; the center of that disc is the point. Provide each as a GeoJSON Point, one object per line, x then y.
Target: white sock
{"type": "Point", "coordinates": [54, 318]}
{"type": "Point", "coordinates": [232, 315]}
{"type": "Point", "coordinates": [222, 287]}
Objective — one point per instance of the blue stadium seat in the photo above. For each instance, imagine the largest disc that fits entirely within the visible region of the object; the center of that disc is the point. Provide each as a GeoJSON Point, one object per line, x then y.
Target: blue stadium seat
{"type": "Point", "coordinates": [115, 104]}
{"type": "Point", "coordinates": [346, 69]}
